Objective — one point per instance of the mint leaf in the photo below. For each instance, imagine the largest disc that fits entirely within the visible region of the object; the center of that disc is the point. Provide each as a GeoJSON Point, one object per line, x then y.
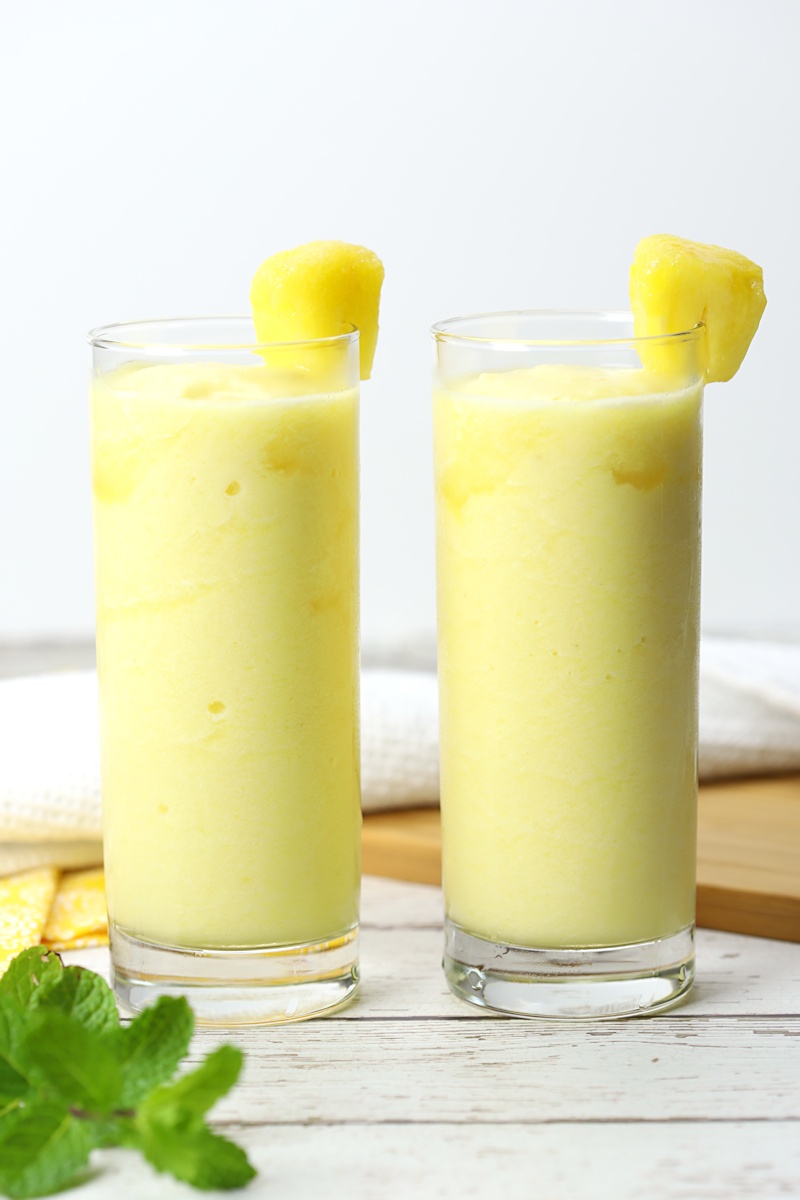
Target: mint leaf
{"type": "Point", "coordinates": [14, 1082]}
{"type": "Point", "coordinates": [73, 1080]}
{"type": "Point", "coordinates": [41, 1148]}
{"type": "Point", "coordinates": [78, 1064]}
{"type": "Point", "coordinates": [196, 1092]}
{"type": "Point", "coordinates": [34, 969]}
{"type": "Point", "coordinates": [152, 1046]}
{"type": "Point", "coordinates": [173, 1136]}
{"type": "Point", "coordinates": [83, 995]}
{"type": "Point", "coordinates": [191, 1152]}
{"type": "Point", "coordinates": [8, 1109]}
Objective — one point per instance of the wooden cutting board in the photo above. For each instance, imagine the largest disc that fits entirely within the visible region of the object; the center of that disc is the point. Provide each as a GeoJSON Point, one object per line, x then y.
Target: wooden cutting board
{"type": "Point", "coordinates": [748, 854]}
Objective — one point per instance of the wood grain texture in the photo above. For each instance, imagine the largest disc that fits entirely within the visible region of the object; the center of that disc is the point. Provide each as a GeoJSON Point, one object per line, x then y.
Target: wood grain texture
{"type": "Point", "coordinates": [403, 845]}
{"type": "Point", "coordinates": [494, 1071]}
{"type": "Point", "coordinates": [680, 1161]}
{"type": "Point", "coordinates": [748, 853]}
{"type": "Point", "coordinates": [748, 865]}
{"type": "Point", "coordinates": [408, 1092]}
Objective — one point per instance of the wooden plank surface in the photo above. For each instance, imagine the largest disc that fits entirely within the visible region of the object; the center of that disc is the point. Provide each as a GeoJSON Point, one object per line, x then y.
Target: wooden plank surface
{"type": "Point", "coordinates": [681, 1161]}
{"type": "Point", "coordinates": [409, 1092]}
{"type": "Point", "coordinates": [748, 866]}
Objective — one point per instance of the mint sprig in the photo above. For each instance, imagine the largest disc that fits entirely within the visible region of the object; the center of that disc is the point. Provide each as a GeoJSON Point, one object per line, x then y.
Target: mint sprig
{"type": "Point", "coordinates": [73, 1079]}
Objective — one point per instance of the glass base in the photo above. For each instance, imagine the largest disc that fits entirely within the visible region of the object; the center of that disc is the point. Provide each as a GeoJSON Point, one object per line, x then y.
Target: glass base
{"type": "Point", "coordinates": [599, 983]}
{"type": "Point", "coordinates": [266, 985]}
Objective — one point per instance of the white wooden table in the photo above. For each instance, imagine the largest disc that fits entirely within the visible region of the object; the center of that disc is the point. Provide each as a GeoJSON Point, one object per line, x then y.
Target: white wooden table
{"type": "Point", "coordinates": [410, 1093]}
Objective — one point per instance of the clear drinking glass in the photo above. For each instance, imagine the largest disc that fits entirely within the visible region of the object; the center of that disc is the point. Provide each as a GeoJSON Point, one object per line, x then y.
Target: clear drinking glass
{"type": "Point", "coordinates": [225, 488]}
{"type": "Point", "coordinates": [568, 472]}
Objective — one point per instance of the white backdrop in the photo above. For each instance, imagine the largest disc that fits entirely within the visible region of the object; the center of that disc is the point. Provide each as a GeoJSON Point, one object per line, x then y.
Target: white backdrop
{"type": "Point", "coordinates": [500, 154]}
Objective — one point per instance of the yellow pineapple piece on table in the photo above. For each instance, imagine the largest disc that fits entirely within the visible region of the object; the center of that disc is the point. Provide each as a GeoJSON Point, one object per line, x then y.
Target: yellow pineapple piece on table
{"type": "Point", "coordinates": [675, 284]}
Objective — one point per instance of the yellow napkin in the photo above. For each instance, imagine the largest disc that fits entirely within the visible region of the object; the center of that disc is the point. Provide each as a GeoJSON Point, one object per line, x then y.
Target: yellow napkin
{"type": "Point", "coordinates": [78, 917]}
{"type": "Point", "coordinates": [25, 903]}
{"type": "Point", "coordinates": [65, 912]}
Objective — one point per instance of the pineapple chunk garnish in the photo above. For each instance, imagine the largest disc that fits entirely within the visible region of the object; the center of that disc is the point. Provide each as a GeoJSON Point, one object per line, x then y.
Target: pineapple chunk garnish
{"type": "Point", "coordinates": [675, 284]}
{"type": "Point", "coordinates": [316, 291]}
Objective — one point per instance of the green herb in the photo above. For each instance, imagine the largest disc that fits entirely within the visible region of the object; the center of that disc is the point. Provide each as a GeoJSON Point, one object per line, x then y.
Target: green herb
{"type": "Point", "coordinates": [72, 1079]}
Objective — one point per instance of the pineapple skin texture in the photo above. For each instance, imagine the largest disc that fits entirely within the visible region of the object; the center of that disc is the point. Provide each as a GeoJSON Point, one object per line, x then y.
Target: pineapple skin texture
{"type": "Point", "coordinates": [316, 291]}
{"type": "Point", "coordinates": [674, 284]}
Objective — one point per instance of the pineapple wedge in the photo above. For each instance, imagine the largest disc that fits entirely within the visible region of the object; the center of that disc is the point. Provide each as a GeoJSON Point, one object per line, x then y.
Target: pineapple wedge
{"type": "Point", "coordinates": [316, 291]}
{"type": "Point", "coordinates": [674, 284]}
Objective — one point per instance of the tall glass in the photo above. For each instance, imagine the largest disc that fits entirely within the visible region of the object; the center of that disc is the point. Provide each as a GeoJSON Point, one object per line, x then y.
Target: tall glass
{"type": "Point", "coordinates": [225, 485]}
{"type": "Point", "coordinates": [568, 471]}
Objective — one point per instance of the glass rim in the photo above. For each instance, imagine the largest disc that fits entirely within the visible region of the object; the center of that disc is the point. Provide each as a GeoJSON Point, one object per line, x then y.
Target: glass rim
{"type": "Point", "coordinates": [446, 331]}
{"type": "Point", "coordinates": [103, 336]}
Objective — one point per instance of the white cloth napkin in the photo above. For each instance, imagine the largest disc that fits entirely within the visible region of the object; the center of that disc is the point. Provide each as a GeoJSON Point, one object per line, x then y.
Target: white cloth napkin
{"type": "Point", "coordinates": [749, 707]}
{"type": "Point", "coordinates": [50, 769]}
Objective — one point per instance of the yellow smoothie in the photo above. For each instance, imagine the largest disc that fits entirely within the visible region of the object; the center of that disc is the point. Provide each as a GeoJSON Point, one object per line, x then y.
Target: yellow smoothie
{"type": "Point", "coordinates": [226, 528]}
{"type": "Point", "coordinates": [568, 599]}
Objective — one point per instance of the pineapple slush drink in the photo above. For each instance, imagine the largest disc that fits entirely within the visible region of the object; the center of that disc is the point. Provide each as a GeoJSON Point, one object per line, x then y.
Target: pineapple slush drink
{"type": "Point", "coordinates": [568, 584]}
{"type": "Point", "coordinates": [226, 509]}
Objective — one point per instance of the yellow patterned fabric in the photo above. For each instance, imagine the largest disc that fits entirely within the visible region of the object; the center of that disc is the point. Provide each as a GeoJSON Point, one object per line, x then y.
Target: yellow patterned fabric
{"type": "Point", "coordinates": [66, 912]}
{"type": "Point", "coordinates": [25, 903]}
{"type": "Point", "coordinates": [78, 917]}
